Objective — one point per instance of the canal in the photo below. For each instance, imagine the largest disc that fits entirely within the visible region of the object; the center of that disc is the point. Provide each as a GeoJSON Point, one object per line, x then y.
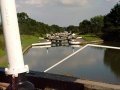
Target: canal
{"type": "Point", "coordinates": [91, 63]}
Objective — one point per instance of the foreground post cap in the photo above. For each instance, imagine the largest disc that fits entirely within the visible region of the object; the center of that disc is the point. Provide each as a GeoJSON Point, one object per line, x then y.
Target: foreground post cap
{"type": "Point", "coordinates": [15, 71]}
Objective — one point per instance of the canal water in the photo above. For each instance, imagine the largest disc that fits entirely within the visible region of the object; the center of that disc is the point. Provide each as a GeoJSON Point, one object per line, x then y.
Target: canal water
{"type": "Point", "coordinates": [92, 63]}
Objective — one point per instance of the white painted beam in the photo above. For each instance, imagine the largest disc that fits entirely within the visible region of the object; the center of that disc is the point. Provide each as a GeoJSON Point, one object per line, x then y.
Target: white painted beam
{"type": "Point", "coordinates": [12, 38]}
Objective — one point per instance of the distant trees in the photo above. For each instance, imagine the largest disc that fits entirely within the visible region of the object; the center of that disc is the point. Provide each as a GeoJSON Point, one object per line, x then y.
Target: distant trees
{"type": "Point", "coordinates": [85, 27]}
{"type": "Point", "coordinates": [94, 25]}
{"type": "Point", "coordinates": [33, 27]}
{"type": "Point", "coordinates": [107, 26]}
{"type": "Point", "coordinates": [56, 28]}
{"type": "Point", "coordinates": [97, 23]}
{"type": "Point", "coordinates": [72, 29]}
{"type": "Point", "coordinates": [22, 17]}
{"type": "Point", "coordinates": [111, 29]}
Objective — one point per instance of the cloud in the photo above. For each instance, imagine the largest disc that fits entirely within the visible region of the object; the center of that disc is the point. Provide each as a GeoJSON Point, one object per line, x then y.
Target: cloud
{"type": "Point", "coordinates": [74, 2]}
{"type": "Point", "coordinates": [41, 3]}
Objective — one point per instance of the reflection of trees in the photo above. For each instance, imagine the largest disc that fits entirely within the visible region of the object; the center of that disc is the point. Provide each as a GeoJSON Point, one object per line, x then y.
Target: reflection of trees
{"type": "Point", "coordinates": [112, 59]}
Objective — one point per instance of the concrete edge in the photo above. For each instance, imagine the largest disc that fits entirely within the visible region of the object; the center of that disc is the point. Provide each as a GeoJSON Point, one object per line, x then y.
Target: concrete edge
{"type": "Point", "coordinates": [26, 49]}
{"type": "Point", "coordinates": [98, 85]}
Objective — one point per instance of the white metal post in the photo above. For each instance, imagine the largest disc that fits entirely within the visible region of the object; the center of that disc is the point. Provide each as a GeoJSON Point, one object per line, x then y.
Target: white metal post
{"type": "Point", "coordinates": [12, 38]}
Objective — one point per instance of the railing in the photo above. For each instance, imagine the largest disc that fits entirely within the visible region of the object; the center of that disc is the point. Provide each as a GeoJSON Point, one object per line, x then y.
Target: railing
{"type": "Point", "coordinates": [46, 81]}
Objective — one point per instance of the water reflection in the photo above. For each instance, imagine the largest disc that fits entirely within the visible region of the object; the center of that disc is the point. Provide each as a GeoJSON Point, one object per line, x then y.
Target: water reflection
{"type": "Point", "coordinates": [89, 64]}
{"type": "Point", "coordinates": [112, 43]}
{"type": "Point", "coordinates": [93, 63]}
{"type": "Point", "coordinates": [40, 59]}
{"type": "Point", "coordinates": [112, 59]}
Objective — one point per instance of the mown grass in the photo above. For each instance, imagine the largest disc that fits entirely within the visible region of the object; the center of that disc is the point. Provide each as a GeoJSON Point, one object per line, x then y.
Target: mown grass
{"type": "Point", "coordinates": [26, 41]}
{"type": "Point", "coordinates": [90, 37]}
{"type": "Point", "coordinates": [2, 46]}
{"type": "Point", "coordinates": [2, 52]}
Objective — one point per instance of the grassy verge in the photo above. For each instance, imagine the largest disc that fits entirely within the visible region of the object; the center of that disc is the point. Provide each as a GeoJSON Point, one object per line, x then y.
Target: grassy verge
{"type": "Point", "coordinates": [2, 52]}
{"type": "Point", "coordinates": [2, 46]}
{"type": "Point", "coordinates": [90, 37]}
{"type": "Point", "coordinates": [26, 41]}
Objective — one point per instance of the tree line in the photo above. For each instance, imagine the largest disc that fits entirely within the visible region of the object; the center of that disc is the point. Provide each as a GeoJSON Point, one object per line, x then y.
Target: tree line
{"type": "Point", "coordinates": [33, 27]}
{"type": "Point", "coordinates": [92, 26]}
{"type": "Point", "coordinates": [30, 26]}
{"type": "Point", "coordinates": [106, 27]}
{"type": "Point", "coordinates": [111, 28]}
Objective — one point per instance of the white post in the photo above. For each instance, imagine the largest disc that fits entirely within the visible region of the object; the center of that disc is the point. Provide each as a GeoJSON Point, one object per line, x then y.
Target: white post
{"type": "Point", "coordinates": [12, 38]}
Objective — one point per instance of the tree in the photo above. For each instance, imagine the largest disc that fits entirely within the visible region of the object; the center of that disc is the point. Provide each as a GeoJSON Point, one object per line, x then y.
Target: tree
{"type": "Point", "coordinates": [1, 30]}
{"type": "Point", "coordinates": [73, 29]}
{"type": "Point", "coordinates": [56, 28]}
{"type": "Point", "coordinates": [85, 27]}
{"type": "Point", "coordinates": [97, 23]}
{"type": "Point", "coordinates": [33, 27]}
{"type": "Point", "coordinates": [111, 27]}
{"type": "Point", "coordinates": [22, 17]}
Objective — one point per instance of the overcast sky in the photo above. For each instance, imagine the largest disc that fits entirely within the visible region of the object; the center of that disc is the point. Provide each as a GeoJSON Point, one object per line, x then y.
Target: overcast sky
{"type": "Point", "coordinates": [64, 12]}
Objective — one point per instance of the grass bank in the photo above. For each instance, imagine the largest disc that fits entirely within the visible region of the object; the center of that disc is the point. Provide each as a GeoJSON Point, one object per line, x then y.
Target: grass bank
{"type": "Point", "coordinates": [2, 46]}
{"type": "Point", "coordinates": [26, 40]}
{"type": "Point", "coordinates": [90, 38]}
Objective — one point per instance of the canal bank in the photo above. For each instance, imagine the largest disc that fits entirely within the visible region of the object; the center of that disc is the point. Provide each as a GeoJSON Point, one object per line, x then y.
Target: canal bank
{"type": "Point", "coordinates": [92, 42]}
{"type": "Point", "coordinates": [27, 40]}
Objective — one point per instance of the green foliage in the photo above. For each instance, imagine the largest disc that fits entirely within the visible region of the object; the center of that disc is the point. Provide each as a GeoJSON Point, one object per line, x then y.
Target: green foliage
{"type": "Point", "coordinates": [93, 26]}
{"type": "Point", "coordinates": [97, 23]}
{"type": "Point", "coordinates": [111, 28]}
{"type": "Point", "coordinates": [56, 28]}
{"type": "Point", "coordinates": [85, 27]}
{"type": "Point", "coordinates": [28, 40]}
{"type": "Point", "coordinates": [2, 46]}
{"type": "Point", "coordinates": [25, 39]}
{"type": "Point", "coordinates": [2, 43]}
{"type": "Point", "coordinates": [32, 27]}
{"type": "Point", "coordinates": [22, 17]}
{"type": "Point", "coordinates": [90, 37]}
{"type": "Point", "coordinates": [73, 29]}
{"type": "Point", "coordinates": [2, 52]}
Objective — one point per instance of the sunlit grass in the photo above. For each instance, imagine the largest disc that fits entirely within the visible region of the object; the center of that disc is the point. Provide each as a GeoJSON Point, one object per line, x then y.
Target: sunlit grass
{"type": "Point", "coordinates": [90, 37]}
{"type": "Point", "coordinates": [26, 41]}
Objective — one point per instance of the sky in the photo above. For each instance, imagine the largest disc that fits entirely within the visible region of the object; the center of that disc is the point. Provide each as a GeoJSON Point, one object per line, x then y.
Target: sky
{"type": "Point", "coordinates": [64, 12]}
